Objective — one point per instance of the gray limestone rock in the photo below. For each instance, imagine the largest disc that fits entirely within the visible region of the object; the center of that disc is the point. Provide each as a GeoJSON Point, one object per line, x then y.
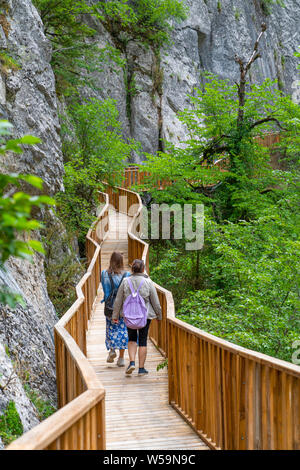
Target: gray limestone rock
{"type": "Point", "coordinates": [28, 330]}
{"type": "Point", "coordinates": [207, 40]}
{"type": "Point", "coordinates": [210, 38]}
{"type": "Point", "coordinates": [28, 100]}
{"type": "Point", "coordinates": [30, 90]}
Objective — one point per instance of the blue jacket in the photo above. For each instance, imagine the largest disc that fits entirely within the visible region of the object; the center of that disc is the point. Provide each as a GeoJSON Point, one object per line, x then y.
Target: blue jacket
{"type": "Point", "coordinates": [105, 281]}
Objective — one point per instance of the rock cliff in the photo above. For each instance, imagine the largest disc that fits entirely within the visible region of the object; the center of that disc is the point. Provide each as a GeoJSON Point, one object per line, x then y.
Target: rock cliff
{"type": "Point", "coordinates": [28, 101]}
{"type": "Point", "coordinates": [156, 86]}
{"type": "Point", "coordinates": [209, 39]}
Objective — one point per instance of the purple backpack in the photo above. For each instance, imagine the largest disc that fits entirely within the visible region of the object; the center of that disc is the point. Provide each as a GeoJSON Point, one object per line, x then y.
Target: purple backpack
{"type": "Point", "coordinates": [134, 309]}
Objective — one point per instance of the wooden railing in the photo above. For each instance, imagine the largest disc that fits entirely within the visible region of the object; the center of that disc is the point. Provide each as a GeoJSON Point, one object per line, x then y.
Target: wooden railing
{"type": "Point", "coordinates": [134, 175]}
{"type": "Point", "coordinates": [234, 398]}
{"type": "Point", "coordinates": [80, 421]}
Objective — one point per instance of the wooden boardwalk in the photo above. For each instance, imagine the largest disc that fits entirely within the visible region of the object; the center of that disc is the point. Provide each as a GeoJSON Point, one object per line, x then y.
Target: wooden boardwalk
{"type": "Point", "coordinates": [138, 415]}
{"type": "Point", "coordinates": [234, 398]}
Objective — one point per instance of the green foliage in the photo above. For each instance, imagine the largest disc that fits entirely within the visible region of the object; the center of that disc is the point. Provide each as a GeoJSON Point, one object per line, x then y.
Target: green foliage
{"type": "Point", "coordinates": [44, 407]}
{"type": "Point", "coordinates": [7, 62]}
{"type": "Point", "coordinates": [223, 138]}
{"type": "Point", "coordinates": [97, 153]}
{"type": "Point", "coordinates": [171, 266]}
{"type": "Point", "coordinates": [267, 5]}
{"type": "Point", "coordinates": [237, 14]}
{"type": "Point", "coordinates": [250, 275]}
{"type": "Point", "coordinates": [62, 272]}
{"type": "Point", "coordinates": [75, 55]}
{"type": "Point", "coordinates": [15, 210]}
{"type": "Point", "coordinates": [61, 280]}
{"type": "Point", "coordinates": [246, 289]}
{"type": "Point", "coordinates": [10, 424]}
{"type": "Point", "coordinates": [147, 21]}
{"type": "Point", "coordinates": [162, 365]}
{"type": "Point", "coordinates": [75, 52]}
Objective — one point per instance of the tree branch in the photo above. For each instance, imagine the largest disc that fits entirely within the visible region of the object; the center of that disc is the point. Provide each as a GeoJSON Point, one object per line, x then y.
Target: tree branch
{"type": "Point", "coordinates": [267, 119]}
{"type": "Point", "coordinates": [244, 69]}
{"type": "Point", "coordinates": [208, 152]}
{"type": "Point", "coordinates": [255, 54]}
{"type": "Point", "coordinates": [9, 380]}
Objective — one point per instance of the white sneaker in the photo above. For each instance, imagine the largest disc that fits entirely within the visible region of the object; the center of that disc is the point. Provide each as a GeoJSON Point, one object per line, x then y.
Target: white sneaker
{"type": "Point", "coordinates": [111, 356]}
{"type": "Point", "coordinates": [121, 362]}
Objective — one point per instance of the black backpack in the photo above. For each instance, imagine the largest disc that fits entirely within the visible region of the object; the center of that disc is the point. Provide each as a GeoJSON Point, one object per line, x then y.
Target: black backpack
{"type": "Point", "coordinates": [109, 303]}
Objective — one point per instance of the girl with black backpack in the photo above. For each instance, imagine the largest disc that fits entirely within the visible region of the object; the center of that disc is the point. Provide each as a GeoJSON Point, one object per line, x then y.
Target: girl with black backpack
{"type": "Point", "coordinates": [116, 334]}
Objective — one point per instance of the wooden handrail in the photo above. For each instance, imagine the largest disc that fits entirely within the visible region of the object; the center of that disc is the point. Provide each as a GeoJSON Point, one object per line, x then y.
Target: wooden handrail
{"type": "Point", "coordinates": [134, 175]}
{"type": "Point", "coordinates": [80, 421]}
{"type": "Point", "coordinates": [234, 398]}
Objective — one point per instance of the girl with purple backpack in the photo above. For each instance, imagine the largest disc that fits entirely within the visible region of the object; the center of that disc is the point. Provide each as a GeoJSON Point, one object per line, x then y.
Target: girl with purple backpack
{"type": "Point", "coordinates": [137, 304]}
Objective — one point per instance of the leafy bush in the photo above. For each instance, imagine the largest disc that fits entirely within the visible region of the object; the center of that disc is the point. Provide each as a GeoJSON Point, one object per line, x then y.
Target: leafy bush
{"type": "Point", "coordinates": [147, 21]}
{"type": "Point", "coordinates": [10, 424]}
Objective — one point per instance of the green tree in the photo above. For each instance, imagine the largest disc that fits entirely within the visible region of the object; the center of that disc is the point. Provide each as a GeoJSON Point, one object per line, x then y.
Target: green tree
{"type": "Point", "coordinates": [223, 127]}
{"type": "Point", "coordinates": [96, 153]}
{"type": "Point", "coordinates": [147, 21]}
{"type": "Point", "coordinates": [71, 26]}
{"type": "Point", "coordinates": [244, 284]}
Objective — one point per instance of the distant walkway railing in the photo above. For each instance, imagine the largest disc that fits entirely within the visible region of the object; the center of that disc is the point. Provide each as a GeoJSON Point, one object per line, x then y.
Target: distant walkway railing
{"type": "Point", "coordinates": [80, 421]}
{"type": "Point", "coordinates": [134, 175]}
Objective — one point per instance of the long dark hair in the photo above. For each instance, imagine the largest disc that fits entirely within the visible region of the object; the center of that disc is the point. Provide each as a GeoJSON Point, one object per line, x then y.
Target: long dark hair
{"type": "Point", "coordinates": [116, 264]}
{"type": "Point", "coordinates": [138, 266]}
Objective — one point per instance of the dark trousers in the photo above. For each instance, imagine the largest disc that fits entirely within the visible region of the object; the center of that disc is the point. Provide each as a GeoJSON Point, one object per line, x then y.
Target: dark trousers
{"type": "Point", "coordinates": [139, 336]}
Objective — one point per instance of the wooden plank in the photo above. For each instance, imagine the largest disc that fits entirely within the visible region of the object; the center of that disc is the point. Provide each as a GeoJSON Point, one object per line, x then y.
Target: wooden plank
{"type": "Point", "coordinates": [265, 407]}
{"type": "Point", "coordinates": [218, 371]}
{"type": "Point", "coordinates": [250, 403]}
